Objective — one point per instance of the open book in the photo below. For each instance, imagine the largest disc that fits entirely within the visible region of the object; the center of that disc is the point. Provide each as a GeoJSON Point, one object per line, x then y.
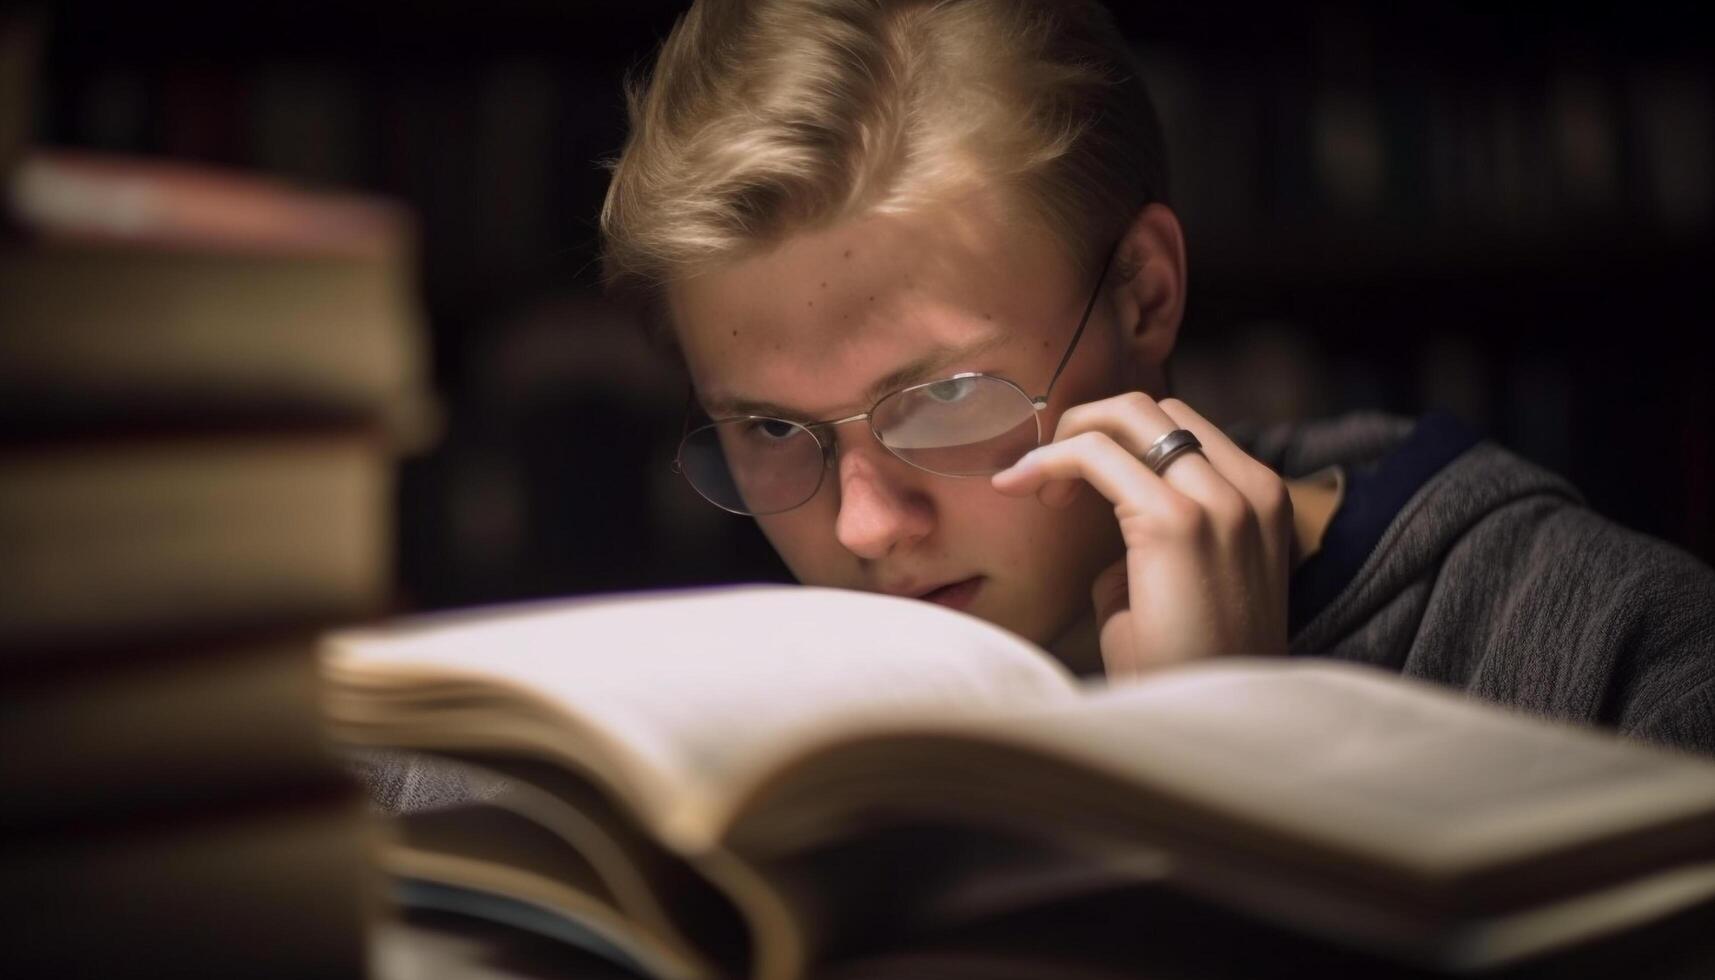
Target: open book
{"type": "Point", "coordinates": [762, 780]}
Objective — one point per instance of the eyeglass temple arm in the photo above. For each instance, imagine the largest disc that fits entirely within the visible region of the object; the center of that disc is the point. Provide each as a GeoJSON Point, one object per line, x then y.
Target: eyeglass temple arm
{"type": "Point", "coordinates": [685, 427]}
{"type": "Point", "coordinates": [1083, 321]}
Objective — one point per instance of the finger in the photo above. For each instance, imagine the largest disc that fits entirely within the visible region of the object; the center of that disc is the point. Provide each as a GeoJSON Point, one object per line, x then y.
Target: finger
{"type": "Point", "coordinates": [1056, 494]}
{"type": "Point", "coordinates": [1097, 459]}
{"type": "Point", "coordinates": [1261, 486]}
{"type": "Point", "coordinates": [1081, 419]}
{"type": "Point", "coordinates": [1234, 463]}
{"type": "Point", "coordinates": [1136, 421]}
{"type": "Point", "coordinates": [1133, 418]}
{"type": "Point", "coordinates": [1110, 593]}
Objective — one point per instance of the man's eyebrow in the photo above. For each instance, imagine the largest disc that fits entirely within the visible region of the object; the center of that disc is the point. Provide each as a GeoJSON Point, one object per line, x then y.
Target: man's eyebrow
{"type": "Point", "coordinates": [924, 368]}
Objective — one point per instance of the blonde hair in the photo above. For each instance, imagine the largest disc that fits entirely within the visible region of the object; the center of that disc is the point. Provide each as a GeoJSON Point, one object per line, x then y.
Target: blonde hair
{"type": "Point", "coordinates": [767, 117]}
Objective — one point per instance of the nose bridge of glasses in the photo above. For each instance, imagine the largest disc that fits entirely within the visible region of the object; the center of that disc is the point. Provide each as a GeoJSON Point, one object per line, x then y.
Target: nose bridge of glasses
{"type": "Point", "coordinates": [824, 434]}
{"type": "Point", "coordinates": [868, 474]}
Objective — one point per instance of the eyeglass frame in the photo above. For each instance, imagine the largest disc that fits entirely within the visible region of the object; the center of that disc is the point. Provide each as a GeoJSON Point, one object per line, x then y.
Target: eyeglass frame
{"type": "Point", "coordinates": [1037, 404]}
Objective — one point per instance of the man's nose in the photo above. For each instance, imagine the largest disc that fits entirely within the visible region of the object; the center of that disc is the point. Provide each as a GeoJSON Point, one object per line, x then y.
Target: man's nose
{"type": "Point", "coordinates": [881, 503]}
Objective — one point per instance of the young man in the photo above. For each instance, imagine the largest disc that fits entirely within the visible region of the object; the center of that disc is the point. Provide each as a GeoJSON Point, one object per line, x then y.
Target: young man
{"type": "Point", "coordinates": [899, 243]}
{"type": "Point", "coordinates": [840, 208]}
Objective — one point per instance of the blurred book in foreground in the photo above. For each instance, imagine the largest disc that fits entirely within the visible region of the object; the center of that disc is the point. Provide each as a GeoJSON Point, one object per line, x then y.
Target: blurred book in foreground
{"type": "Point", "coordinates": [124, 536]}
{"type": "Point", "coordinates": [138, 290]}
{"type": "Point", "coordinates": [205, 378]}
{"type": "Point", "coordinates": [775, 781]}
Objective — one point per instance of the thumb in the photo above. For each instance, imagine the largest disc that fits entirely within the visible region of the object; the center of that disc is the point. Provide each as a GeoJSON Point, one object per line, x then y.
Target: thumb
{"type": "Point", "coordinates": [1111, 592]}
{"type": "Point", "coordinates": [1111, 595]}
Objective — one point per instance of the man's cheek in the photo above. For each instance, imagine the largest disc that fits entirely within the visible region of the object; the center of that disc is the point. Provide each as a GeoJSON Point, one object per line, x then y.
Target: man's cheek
{"type": "Point", "coordinates": [803, 545]}
{"type": "Point", "coordinates": [780, 537]}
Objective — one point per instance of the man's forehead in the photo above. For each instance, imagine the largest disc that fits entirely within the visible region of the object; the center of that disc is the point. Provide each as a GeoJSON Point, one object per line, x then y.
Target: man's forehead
{"type": "Point", "coordinates": [826, 319]}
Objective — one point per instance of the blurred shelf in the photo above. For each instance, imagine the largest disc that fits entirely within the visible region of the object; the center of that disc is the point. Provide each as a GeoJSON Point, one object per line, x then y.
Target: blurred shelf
{"type": "Point", "coordinates": [1340, 255]}
{"type": "Point", "coordinates": [1476, 30]}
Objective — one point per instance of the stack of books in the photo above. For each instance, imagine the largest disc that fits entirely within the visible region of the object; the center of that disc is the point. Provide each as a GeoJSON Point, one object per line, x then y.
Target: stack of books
{"type": "Point", "coordinates": [205, 379]}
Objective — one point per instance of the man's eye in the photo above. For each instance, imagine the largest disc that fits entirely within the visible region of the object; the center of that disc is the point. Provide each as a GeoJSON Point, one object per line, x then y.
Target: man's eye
{"type": "Point", "coordinates": [773, 430]}
{"type": "Point", "coordinates": [950, 390]}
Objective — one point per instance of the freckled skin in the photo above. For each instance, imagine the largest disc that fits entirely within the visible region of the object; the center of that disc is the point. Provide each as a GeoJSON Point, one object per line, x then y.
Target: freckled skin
{"type": "Point", "coordinates": [877, 521]}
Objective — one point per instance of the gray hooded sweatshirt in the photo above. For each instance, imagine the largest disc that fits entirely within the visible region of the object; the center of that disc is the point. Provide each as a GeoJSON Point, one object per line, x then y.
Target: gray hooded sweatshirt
{"type": "Point", "coordinates": [1453, 560]}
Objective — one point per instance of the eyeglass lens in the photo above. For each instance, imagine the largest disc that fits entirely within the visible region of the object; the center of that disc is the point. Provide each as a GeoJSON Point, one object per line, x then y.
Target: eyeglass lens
{"type": "Point", "coordinates": [969, 426]}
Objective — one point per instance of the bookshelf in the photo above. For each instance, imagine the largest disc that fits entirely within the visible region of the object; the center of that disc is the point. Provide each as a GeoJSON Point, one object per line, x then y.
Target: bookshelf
{"type": "Point", "coordinates": [1496, 211]}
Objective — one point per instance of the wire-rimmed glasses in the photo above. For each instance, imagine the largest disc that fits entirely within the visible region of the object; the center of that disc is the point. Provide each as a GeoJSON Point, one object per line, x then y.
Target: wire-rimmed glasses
{"type": "Point", "coordinates": [970, 424]}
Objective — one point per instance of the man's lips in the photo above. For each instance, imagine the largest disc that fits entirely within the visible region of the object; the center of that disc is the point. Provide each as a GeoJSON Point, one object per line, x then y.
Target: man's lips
{"type": "Point", "coordinates": [953, 595]}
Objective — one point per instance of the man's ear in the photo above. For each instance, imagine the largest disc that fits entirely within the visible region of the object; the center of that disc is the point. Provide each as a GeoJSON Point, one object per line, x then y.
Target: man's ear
{"type": "Point", "coordinates": [1149, 292]}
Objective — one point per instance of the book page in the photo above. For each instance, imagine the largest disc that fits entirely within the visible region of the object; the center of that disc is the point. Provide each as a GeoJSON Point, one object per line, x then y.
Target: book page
{"type": "Point", "coordinates": [700, 688]}
{"type": "Point", "coordinates": [1410, 774]}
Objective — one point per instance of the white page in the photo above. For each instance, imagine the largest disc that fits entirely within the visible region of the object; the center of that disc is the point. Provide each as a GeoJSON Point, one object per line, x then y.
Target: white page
{"type": "Point", "coordinates": [704, 686]}
{"type": "Point", "coordinates": [1414, 775]}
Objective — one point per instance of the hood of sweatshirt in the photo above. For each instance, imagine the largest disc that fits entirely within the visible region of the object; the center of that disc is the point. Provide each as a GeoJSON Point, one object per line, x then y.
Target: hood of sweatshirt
{"type": "Point", "coordinates": [1453, 560]}
{"type": "Point", "coordinates": [1413, 488]}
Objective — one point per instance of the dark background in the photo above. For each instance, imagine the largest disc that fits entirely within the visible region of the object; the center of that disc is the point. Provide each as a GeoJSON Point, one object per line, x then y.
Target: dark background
{"type": "Point", "coordinates": [1502, 213]}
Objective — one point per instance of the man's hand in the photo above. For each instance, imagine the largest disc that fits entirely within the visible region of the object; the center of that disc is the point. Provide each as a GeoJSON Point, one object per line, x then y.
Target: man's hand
{"type": "Point", "coordinates": [1207, 544]}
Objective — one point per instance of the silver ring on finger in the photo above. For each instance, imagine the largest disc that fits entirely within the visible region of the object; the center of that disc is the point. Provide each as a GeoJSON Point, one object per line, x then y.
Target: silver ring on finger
{"type": "Point", "coordinates": [1168, 448]}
